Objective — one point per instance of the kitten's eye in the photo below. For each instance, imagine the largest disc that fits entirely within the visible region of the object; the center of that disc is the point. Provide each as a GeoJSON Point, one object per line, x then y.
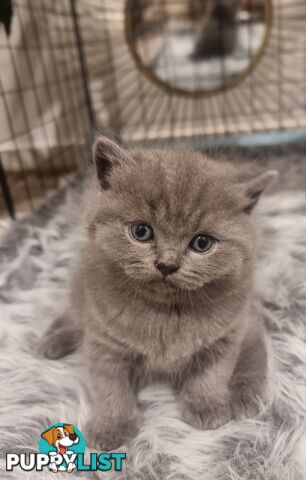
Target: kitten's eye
{"type": "Point", "coordinates": [202, 243]}
{"type": "Point", "coordinates": [142, 232]}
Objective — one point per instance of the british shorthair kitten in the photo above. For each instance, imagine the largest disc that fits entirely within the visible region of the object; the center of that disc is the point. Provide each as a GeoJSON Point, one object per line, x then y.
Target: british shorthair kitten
{"type": "Point", "coordinates": [165, 289]}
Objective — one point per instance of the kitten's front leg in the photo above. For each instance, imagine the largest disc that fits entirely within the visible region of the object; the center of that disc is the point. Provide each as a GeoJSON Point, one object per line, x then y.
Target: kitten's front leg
{"type": "Point", "coordinates": [205, 393]}
{"type": "Point", "coordinates": [248, 382]}
{"type": "Point", "coordinates": [115, 416]}
{"type": "Point", "coordinates": [231, 386]}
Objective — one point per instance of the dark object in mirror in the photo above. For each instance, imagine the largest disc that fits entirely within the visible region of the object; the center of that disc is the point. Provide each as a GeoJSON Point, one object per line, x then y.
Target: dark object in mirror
{"type": "Point", "coordinates": [197, 47]}
{"type": "Point", "coordinates": [217, 29]}
{"type": "Point", "coordinates": [6, 14]}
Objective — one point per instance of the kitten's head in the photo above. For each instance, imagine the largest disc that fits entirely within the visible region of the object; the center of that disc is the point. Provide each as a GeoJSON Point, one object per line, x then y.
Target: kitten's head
{"type": "Point", "coordinates": [172, 221]}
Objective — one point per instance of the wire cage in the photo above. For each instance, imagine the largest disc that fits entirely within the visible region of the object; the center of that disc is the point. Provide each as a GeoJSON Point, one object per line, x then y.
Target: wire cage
{"type": "Point", "coordinates": [43, 106]}
{"type": "Point", "coordinates": [146, 69]}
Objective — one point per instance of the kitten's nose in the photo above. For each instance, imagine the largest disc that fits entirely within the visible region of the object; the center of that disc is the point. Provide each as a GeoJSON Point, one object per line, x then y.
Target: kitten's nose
{"type": "Point", "coordinates": [166, 269]}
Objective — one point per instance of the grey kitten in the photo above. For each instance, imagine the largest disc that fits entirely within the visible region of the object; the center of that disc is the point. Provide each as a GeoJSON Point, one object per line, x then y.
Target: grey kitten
{"type": "Point", "coordinates": [164, 289]}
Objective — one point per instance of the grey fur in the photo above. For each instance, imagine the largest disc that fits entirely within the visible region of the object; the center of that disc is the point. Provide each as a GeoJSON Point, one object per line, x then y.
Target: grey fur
{"type": "Point", "coordinates": [35, 264]}
{"type": "Point", "coordinates": [198, 328]}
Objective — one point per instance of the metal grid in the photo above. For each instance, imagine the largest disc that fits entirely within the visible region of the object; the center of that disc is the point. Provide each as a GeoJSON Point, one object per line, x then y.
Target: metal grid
{"type": "Point", "coordinates": [43, 107]}
{"type": "Point", "coordinates": [69, 66]}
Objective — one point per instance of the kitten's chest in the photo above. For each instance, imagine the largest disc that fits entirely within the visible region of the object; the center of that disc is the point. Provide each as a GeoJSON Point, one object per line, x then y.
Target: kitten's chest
{"type": "Point", "coordinates": [165, 342]}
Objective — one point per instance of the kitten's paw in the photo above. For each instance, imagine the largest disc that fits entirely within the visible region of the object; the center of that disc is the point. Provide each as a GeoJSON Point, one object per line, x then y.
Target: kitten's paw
{"type": "Point", "coordinates": [246, 401]}
{"type": "Point", "coordinates": [208, 416]}
{"type": "Point", "coordinates": [104, 437]}
{"type": "Point", "coordinates": [60, 340]}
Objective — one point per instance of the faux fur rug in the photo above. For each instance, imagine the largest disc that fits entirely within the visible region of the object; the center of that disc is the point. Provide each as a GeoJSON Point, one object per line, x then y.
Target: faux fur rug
{"type": "Point", "coordinates": [35, 392]}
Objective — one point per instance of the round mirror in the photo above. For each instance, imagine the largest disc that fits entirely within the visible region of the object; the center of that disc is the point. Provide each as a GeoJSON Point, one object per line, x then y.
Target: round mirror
{"type": "Point", "coordinates": [197, 47]}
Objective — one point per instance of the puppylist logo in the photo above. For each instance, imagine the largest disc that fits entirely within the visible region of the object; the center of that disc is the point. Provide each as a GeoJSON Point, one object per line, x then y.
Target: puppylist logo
{"type": "Point", "coordinates": [62, 448]}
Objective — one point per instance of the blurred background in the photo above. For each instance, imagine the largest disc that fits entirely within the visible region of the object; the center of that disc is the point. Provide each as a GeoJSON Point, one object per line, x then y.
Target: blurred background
{"type": "Point", "coordinates": [207, 72]}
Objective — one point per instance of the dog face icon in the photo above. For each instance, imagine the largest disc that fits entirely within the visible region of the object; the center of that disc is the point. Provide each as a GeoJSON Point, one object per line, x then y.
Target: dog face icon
{"type": "Point", "coordinates": [61, 437]}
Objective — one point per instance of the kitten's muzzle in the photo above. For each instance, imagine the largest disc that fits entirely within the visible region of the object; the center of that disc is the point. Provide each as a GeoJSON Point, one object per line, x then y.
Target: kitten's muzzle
{"type": "Point", "coordinates": [166, 269]}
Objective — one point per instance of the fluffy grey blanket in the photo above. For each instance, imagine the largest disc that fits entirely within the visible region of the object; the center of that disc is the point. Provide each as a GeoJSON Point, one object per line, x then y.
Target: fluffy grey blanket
{"type": "Point", "coordinates": [35, 392]}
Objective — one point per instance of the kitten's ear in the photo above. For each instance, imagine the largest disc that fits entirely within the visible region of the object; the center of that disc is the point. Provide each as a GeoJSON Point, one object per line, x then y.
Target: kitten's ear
{"type": "Point", "coordinates": [254, 187]}
{"type": "Point", "coordinates": [107, 155]}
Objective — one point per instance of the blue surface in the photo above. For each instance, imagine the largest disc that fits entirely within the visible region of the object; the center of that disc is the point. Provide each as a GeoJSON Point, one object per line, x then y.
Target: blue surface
{"type": "Point", "coordinates": [243, 140]}
{"type": "Point", "coordinates": [257, 139]}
